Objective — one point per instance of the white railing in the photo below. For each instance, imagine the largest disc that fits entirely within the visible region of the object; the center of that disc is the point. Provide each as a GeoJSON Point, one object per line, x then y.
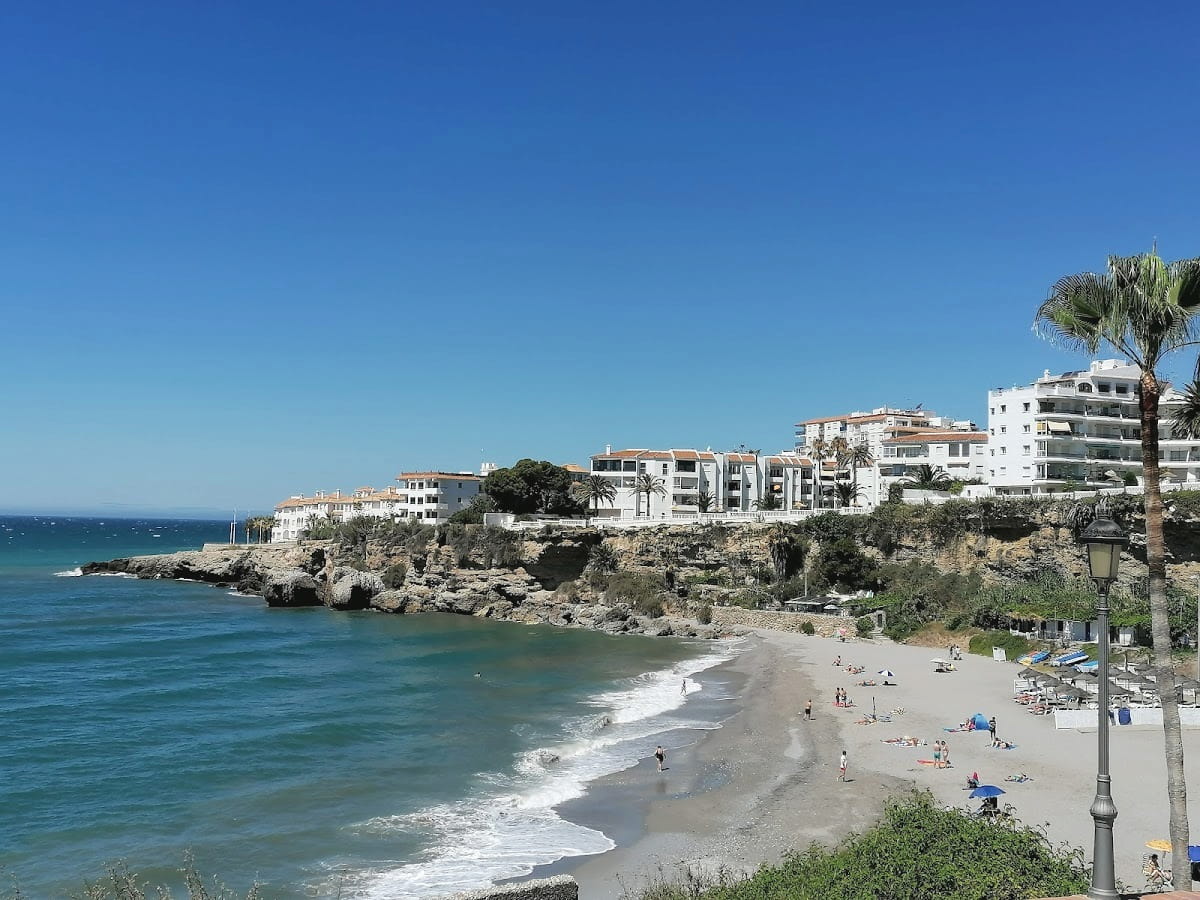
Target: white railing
{"type": "Point", "coordinates": [634, 522]}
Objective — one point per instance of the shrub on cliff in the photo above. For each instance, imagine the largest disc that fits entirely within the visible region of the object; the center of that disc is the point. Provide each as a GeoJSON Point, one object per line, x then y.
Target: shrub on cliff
{"type": "Point", "coordinates": [393, 575]}
{"type": "Point", "coordinates": [919, 850]}
{"type": "Point", "coordinates": [704, 617]}
{"type": "Point", "coordinates": [641, 590]}
{"type": "Point", "coordinates": [807, 627]}
{"type": "Point", "coordinates": [865, 625]}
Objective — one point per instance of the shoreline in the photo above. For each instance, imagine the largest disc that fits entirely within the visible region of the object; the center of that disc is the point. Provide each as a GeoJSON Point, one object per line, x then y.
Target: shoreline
{"type": "Point", "coordinates": [765, 782]}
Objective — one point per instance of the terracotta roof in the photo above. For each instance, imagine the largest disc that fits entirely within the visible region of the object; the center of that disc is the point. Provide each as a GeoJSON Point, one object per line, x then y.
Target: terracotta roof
{"type": "Point", "coordinates": [741, 457]}
{"type": "Point", "coordinates": [793, 461]}
{"type": "Point", "coordinates": [655, 454]}
{"type": "Point", "coordinates": [452, 476]}
{"type": "Point", "coordinates": [368, 489]}
{"type": "Point", "coordinates": [685, 454]}
{"type": "Point", "coordinates": [937, 437]}
{"type": "Point", "coordinates": [619, 454]}
{"type": "Point", "coordinates": [707, 455]}
{"type": "Point", "coordinates": [571, 467]}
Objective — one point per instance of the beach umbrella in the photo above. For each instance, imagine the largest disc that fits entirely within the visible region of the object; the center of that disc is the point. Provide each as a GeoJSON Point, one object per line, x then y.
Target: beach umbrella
{"type": "Point", "coordinates": [1160, 845]}
{"type": "Point", "coordinates": [940, 662]}
{"type": "Point", "coordinates": [887, 673]}
{"type": "Point", "coordinates": [986, 790]}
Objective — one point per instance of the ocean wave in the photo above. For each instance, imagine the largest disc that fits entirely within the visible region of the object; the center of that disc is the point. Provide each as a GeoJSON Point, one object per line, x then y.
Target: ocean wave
{"type": "Point", "coordinates": [487, 839]}
{"type": "Point", "coordinates": [70, 573]}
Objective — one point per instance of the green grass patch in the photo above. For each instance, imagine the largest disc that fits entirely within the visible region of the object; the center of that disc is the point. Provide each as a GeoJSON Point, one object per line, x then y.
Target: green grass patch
{"type": "Point", "coordinates": [1014, 645]}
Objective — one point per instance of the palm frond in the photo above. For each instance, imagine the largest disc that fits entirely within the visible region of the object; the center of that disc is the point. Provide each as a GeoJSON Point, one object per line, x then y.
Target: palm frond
{"type": "Point", "coordinates": [1185, 422]}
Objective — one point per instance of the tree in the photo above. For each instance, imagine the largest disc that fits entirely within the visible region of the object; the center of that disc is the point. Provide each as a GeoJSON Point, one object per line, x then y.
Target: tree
{"type": "Point", "coordinates": [927, 478]}
{"type": "Point", "coordinates": [767, 502]}
{"type": "Point", "coordinates": [1145, 309]}
{"type": "Point", "coordinates": [649, 484]}
{"type": "Point", "coordinates": [473, 512]}
{"type": "Point", "coordinates": [820, 450]}
{"type": "Point", "coordinates": [531, 486]}
{"type": "Point", "coordinates": [843, 564]}
{"type": "Point", "coordinates": [705, 501]}
{"type": "Point", "coordinates": [263, 525]}
{"type": "Point", "coordinates": [781, 546]}
{"type": "Point", "coordinates": [595, 488]}
{"type": "Point", "coordinates": [848, 493]}
{"type": "Point", "coordinates": [858, 455]}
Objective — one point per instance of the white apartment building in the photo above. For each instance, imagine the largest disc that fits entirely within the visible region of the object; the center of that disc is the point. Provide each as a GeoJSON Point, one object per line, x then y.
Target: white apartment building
{"type": "Point", "coordinates": [294, 515]}
{"type": "Point", "coordinates": [433, 497]}
{"type": "Point", "coordinates": [870, 429]}
{"type": "Point", "coordinates": [1078, 430]}
{"type": "Point", "coordinates": [737, 482]}
{"type": "Point", "coordinates": [960, 454]}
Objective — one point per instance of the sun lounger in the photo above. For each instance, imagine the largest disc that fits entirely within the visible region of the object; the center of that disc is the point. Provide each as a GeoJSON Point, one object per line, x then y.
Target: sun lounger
{"type": "Point", "coordinates": [1030, 658]}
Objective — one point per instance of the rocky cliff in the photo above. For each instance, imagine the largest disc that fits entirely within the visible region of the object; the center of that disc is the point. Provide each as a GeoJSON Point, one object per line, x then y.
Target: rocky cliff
{"type": "Point", "coordinates": [545, 576]}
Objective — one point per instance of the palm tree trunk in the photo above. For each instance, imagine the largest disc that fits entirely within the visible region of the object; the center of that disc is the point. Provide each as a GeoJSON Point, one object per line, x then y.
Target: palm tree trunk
{"type": "Point", "coordinates": [1160, 628]}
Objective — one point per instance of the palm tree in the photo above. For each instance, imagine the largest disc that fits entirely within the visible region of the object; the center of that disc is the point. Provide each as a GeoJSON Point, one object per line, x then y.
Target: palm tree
{"type": "Point", "coordinates": [847, 492]}
{"type": "Point", "coordinates": [927, 478]}
{"type": "Point", "coordinates": [820, 450]}
{"type": "Point", "coordinates": [705, 500]}
{"type": "Point", "coordinates": [858, 455]}
{"type": "Point", "coordinates": [781, 544]}
{"type": "Point", "coordinates": [767, 502]}
{"type": "Point", "coordinates": [595, 488]}
{"type": "Point", "coordinates": [649, 484]}
{"type": "Point", "coordinates": [1144, 308]}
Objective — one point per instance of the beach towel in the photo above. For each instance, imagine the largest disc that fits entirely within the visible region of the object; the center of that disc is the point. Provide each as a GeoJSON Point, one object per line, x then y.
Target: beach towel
{"type": "Point", "coordinates": [927, 762]}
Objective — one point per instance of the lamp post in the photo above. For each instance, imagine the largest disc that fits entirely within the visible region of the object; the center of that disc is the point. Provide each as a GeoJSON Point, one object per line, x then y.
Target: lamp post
{"type": "Point", "coordinates": [1104, 541]}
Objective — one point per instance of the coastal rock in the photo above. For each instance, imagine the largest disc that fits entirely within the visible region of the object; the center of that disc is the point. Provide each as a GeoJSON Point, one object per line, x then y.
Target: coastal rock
{"type": "Point", "coordinates": [353, 589]}
{"type": "Point", "coordinates": [392, 601]}
{"type": "Point", "coordinates": [292, 587]}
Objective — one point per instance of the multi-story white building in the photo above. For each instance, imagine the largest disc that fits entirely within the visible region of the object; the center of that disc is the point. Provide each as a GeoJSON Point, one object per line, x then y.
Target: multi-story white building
{"type": "Point", "coordinates": [960, 454]}
{"type": "Point", "coordinates": [1079, 430]}
{"type": "Point", "coordinates": [870, 430]}
{"type": "Point", "coordinates": [296, 514]}
{"type": "Point", "coordinates": [735, 482]}
{"type": "Point", "coordinates": [434, 497]}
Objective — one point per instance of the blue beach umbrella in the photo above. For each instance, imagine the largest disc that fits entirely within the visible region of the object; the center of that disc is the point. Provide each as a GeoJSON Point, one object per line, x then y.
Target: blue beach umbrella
{"type": "Point", "coordinates": [986, 790]}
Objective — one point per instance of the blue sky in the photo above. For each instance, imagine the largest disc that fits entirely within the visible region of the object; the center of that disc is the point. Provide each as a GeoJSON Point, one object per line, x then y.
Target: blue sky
{"type": "Point", "coordinates": [255, 249]}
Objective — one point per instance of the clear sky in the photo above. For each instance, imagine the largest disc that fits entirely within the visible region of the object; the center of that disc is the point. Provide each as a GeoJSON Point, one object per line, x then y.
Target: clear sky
{"type": "Point", "coordinates": [253, 249]}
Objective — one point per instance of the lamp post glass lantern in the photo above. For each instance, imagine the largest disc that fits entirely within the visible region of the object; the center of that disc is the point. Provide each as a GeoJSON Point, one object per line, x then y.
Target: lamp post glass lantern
{"type": "Point", "coordinates": [1104, 541]}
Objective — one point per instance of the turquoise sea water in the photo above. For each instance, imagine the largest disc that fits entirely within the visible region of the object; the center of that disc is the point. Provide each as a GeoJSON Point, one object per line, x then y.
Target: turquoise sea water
{"type": "Point", "coordinates": [318, 752]}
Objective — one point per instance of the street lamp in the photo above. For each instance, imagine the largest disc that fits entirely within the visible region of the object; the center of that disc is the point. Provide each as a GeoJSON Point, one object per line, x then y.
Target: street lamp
{"type": "Point", "coordinates": [1104, 541]}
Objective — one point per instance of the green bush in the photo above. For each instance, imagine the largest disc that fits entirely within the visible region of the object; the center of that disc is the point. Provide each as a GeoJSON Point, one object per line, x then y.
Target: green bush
{"type": "Point", "coordinates": [1014, 645]}
{"type": "Point", "coordinates": [649, 606]}
{"type": "Point", "coordinates": [704, 617]}
{"type": "Point", "coordinates": [919, 850]}
{"type": "Point", "coordinates": [393, 575]}
{"type": "Point", "coordinates": [638, 589]}
{"type": "Point", "coordinates": [806, 627]}
{"type": "Point", "coordinates": [866, 625]}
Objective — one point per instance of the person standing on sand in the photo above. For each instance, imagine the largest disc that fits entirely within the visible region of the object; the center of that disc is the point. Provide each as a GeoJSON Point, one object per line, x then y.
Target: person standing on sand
{"type": "Point", "coordinates": [945, 754]}
{"type": "Point", "coordinates": [842, 767]}
{"type": "Point", "coordinates": [992, 728]}
{"type": "Point", "coordinates": [808, 710]}
{"type": "Point", "coordinates": [937, 754]}
{"type": "Point", "coordinates": [660, 754]}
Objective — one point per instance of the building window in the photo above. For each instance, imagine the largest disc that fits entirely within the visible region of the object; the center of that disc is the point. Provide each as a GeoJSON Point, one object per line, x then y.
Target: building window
{"type": "Point", "coordinates": [993, 452]}
{"type": "Point", "coordinates": [664, 468]}
{"type": "Point", "coordinates": [1025, 450]}
{"type": "Point", "coordinates": [1003, 407]}
{"type": "Point", "coordinates": [1003, 451]}
{"type": "Point", "coordinates": [1084, 388]}
{"type": "Point", "coordinates": [1025, 429]}
{"type": "Point", "coordinates": [1004, 429]}
{"type": "Point", "coordinates": [991, 411]}
{"type": "Point", "coordinates": [1025, 407]}
{"type": "Point", "coordinates": [1104, 387]}
{"type": "Point", "coordinates": [685, 466]}
{"type": "Point", "coordinates": [1122, 389]}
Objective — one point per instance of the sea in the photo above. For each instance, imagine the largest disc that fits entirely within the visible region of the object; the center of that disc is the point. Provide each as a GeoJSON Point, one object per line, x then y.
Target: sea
{"type": "Point", "coordinates": [312, 752]}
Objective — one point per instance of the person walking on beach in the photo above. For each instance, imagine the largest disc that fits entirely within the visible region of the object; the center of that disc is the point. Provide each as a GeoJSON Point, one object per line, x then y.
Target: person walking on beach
{"type": "Point", "coordinates": [842, 767]}
{"type": "Point", "coordinates": [937, 754]}
{"type": "Point", "coordinates": [992, 728]}
{"type": "Point", "coordinates": [808, 710]}
{"type": "Point", "coordinates": [660, 754]}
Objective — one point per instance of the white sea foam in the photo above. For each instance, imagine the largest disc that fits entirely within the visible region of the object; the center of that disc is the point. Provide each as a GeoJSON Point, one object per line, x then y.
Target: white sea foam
{"type": "Point", "coordinates": [70, 573]}
{"type": "Point", "coordinates": [506, 835]}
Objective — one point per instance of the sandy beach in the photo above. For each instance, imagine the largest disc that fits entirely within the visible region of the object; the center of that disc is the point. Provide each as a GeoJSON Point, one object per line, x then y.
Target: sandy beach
{"type": "Point", "coordinates": [767, 781]}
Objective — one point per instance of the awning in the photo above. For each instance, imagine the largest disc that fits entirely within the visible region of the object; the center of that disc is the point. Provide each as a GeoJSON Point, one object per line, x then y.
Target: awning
{"type": "Point", "coordinates": [1058, 427]}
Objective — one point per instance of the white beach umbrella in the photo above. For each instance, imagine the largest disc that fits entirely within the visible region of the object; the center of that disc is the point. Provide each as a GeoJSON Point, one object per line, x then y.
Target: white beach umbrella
{"type": "Point", "coordinates": [887, 673]}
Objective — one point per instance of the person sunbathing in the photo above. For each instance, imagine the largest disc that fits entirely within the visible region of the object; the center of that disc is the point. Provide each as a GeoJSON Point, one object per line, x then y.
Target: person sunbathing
{"type": "Point", "coordinates": [1002, 745]}
{"type": "Point", "coordinates": [867, 683]}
